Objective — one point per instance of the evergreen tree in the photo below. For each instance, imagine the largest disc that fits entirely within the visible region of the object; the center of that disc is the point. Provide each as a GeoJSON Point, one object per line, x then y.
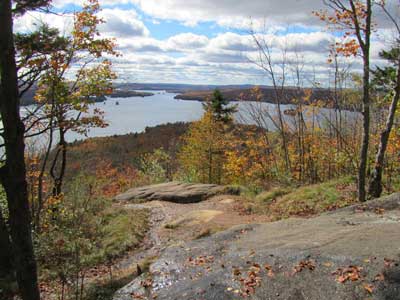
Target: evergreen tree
{"type": "Point", "coordinates": [219, 106]}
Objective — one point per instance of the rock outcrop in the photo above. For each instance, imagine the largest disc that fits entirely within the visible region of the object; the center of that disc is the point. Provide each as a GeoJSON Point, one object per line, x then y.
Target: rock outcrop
{"type": "Point", "coordinates": [175, 192]}
{"type": "Point", "coordinates": [352, 253]}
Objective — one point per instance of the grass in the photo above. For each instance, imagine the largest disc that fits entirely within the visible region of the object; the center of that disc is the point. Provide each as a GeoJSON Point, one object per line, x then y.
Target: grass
{"type": "Point", "coordinates": [305, 201]}
{"type": "Point", "coordinates": [124, 229]}
{"type": "Point", "coordinates": [273, 194]}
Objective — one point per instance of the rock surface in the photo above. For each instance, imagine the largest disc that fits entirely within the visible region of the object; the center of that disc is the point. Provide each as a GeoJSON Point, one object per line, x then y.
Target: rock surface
{"type": "Point", "coordinates": [352, 253]}
{"type": "Point", "coordinates": [175, 192]}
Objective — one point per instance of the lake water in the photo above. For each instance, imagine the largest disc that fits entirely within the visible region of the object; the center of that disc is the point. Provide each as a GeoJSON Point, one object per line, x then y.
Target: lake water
{"type": "Point", "coordinates": [134, 114]}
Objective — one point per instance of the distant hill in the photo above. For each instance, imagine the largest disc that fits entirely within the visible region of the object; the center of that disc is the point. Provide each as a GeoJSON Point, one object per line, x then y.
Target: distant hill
{"type": "Point", "coordinates": [28, 97]}
{"type": "Point", "coordinates": [247, 94]}
{"type": "Point", "coordinates": [202, 92]}
{"type": "Point", "coordinates": [176, 87]}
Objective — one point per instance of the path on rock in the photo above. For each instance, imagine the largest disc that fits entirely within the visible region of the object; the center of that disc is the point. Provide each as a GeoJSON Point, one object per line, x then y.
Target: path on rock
{"type": "Point", "coordinates": [352, 253]}
{"type": "Point", "coordinates": [174, 223]}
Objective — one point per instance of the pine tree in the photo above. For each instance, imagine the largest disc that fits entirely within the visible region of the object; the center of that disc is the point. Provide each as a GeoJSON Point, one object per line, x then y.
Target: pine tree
{"type": "Point", "coordinates": [219, 106]}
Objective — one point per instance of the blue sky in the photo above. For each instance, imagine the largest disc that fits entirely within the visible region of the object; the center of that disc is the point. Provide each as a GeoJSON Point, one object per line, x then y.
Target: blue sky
{"type": "Point", "coordinates": [209, 41]}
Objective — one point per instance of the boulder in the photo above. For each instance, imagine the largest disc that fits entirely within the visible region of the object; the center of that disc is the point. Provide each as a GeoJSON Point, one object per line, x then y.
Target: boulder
{"type": "Point", "coordinates": [352, 253]}
{"type": "Point", "coordinates": [175, 192]}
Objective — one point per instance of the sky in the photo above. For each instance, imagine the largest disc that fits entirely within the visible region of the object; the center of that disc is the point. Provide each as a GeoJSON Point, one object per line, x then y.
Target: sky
{"type": "Point", "coordinates": [209, 41]}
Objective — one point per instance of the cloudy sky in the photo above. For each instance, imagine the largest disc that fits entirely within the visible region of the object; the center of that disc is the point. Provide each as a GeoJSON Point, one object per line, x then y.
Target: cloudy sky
{"type": "Point", "coordinates": [208, 41]}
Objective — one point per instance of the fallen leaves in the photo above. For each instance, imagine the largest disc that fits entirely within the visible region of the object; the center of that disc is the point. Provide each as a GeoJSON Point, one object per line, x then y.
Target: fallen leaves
{"type": "Point", "coordinates": [270, 272]}
{"type": "Point", "coordinates": [352, 273]}
{"type": "Point", "coordinates": [389, 262]}
{"type": "Point", "coordinates": [364, 208]}
{"type": "Point", "coordinates": [327, 264]}
{"type": "Point", "coordinates": [379, 277]}
{"type": "Point", "coordinates": [368, 287]}
{"type": "Point", "coordinates": [302, 265]}
{"type": "Point", "coordinates": [200, 260]}
{"type": "Point", "coordinates": [147, 283]}
{"type": "Point", "coordinates": [252, 280]}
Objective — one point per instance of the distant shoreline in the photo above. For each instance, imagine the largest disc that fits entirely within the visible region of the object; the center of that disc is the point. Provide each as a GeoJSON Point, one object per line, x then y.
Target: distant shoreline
{"type": "Point", "coordinates": [29, 100]}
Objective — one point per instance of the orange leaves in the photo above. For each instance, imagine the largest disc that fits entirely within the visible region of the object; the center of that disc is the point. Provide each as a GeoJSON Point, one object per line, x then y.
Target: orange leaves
{"type": "Point", "coordinates": [351, 273]}
{"type": "Point", "coordinates": [200, 260]}
{"type": "Point", "coordinates": [304, 265]}
{"type": "Point", "coordinates": [348, 48]}
{"type": "Point", "coordinates": [146, 283]}
{"type": "Point", "coordinates": [389, 263]}
{"type": "Point", "coordinates": [350, 19]}
{"type": "Point", "coordinates": [251, 281]}
{"type": "Point", "coordinates": [112, 180]}
{"type": "Point", "coordinates": [270, 272]}
{"type": "Point", "coordinates": [368, 287]}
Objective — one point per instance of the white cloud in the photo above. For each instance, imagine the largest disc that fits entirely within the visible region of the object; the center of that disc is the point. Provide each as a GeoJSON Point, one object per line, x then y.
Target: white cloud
{"type": "Point", "coordinates": [233, 13]}
{"type": "Point", "coordinates": [122, 23]}
{"type": "Point", "coordinates": [187, 41]}
{"type": "Point", "coordinates": [233, 41]}
{"type": "Point", "coordinates": [32, 20]}
{"type": "Point", "coordinates": [221, 58]}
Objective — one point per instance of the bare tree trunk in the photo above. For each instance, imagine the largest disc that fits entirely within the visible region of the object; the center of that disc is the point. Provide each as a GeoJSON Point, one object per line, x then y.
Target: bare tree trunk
{"type": "Point", "coordinates": [13, 174]}
{"type": "Point", "coordinates": [365, 47]}
{"type": "Point", "coordinates": [6, 267]}
{"type": "Point", "coordinates": [375, 184]}
{"type": "Point", "coordinates": [59, 178]}
{"type": "Point", "coordinates": [362, 170]}
{"type": "Point", "coordinates": [46, 157]}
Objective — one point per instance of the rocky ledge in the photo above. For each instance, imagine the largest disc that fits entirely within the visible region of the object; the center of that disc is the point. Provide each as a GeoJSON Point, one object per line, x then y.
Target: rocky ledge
{"type": "Point", "coordinates": [352, 253]}
{"type": "Point", "coordinates": [175, 192]}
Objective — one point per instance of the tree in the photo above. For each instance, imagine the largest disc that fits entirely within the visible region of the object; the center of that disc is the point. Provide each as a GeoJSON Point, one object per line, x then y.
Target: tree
{"type": "Point", "coordinates": [387, 79]}
{"type": "Point", "coordinates": [354, 17]}
{"type": "Point", "coordinates": [201, 156]}
{"type": "Point", "coordinates": [67, 102]}
{"type": "Point", "coordinates": [13, 173]}
{"type": "Point", "coordinates": [276, 71]}
{"type": "Point", "coordinates": [5, 252]}
{"type": "Point", "coordinates": [218, 105]}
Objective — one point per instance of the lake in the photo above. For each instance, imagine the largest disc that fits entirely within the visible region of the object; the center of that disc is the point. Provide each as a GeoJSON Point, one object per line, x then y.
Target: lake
{"type": "Point", "coordinates": [134, 114]}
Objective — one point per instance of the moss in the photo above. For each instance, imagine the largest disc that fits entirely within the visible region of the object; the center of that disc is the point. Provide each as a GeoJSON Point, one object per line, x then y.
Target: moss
{"type": "Point", "coordinates": [308, 200]}
{"type": "Point", "coordinates": [273, 194]}
{"type": "Point", "coordinates": [124, 229]}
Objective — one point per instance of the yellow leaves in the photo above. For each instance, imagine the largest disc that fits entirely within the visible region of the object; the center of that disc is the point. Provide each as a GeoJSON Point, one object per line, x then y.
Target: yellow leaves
{"type": "Point", "coordinates": [202, 154]}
